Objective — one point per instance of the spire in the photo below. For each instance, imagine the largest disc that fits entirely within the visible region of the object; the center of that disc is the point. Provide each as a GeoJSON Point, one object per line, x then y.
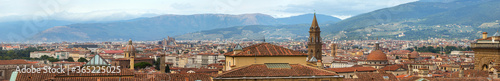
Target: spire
{"type": "Point", "coordinates": [264, 38]}
{"type": "Point", "coordinates": [130, 42]}
{"type": "Point", "coordinates": [314, 22]}
{"type": "Point", "coordinates": [377, 46]}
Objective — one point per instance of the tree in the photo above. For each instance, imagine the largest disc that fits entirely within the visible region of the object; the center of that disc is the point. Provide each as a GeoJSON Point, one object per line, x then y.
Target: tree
{"type": "Point", "coordinates": [70, 59]}
{"type": "Point", "coordinates": [52, 59]}
{"type": "Point", "coordinates": [141, 65]}
{"type": "Point", "coordinates": [44, 57]}
{"type": "Point", "coordinates": [157, 64]}
{"type": "Point", "coordinates": [81, 59]}
{"type": "Point", "coordinates": [167, 69]}
{"type": "Point", "coordinates": [7, 58]}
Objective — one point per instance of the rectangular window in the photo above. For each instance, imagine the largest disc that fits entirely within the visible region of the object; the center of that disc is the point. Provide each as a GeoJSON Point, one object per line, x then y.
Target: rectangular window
{"type": "Point", "coordinates": [204, 61]}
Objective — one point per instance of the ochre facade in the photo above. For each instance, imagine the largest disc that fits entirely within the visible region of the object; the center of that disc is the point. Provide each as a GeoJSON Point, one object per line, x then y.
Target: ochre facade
{"type": "Point", "coordinates": [484, 57]}
{"type": "Point", "coordinates": [235, 62]}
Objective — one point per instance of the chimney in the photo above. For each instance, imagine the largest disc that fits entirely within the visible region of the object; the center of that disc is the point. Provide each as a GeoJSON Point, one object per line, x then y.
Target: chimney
{"type": "Point", "coordinates": [485, 35]}
{"type": "Point", "coordinates": [162, 63]}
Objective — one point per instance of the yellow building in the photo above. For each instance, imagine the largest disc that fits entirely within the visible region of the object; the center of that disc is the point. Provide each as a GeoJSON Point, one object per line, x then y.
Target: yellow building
{"type": "Point", "coordinates": [278, 72]}
{"type": "Point", "coordinates": [268, 62]}
{"type": "Point", "coordinates": [262, 53]}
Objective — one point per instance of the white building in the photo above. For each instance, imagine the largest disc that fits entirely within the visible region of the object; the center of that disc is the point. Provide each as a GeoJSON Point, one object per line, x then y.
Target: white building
{"type": "Point", "coordinates": [462, 53]}
{"type": "Point", "coordinates": [38, 54]}
{"type": "Point", "coordinates": [202, 60]}
{"type": "Point", "coordinates": [342, 64]}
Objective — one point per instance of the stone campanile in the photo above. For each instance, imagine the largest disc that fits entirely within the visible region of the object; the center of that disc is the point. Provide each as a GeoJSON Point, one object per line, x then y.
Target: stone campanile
{"type": "Point", "coordinates": [314, 44]}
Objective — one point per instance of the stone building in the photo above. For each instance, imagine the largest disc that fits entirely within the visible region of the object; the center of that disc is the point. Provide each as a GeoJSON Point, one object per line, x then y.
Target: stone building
{"type": "Point", "coordinates": [487, 51]}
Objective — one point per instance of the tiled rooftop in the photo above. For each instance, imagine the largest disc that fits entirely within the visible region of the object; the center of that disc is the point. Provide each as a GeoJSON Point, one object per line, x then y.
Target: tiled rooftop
{"type": "Point", "coordinates": [352, 69]}
{"type": "Point", "coordinates": [261, 70]}
{"type": "Point", "coordinates": [266, 49]}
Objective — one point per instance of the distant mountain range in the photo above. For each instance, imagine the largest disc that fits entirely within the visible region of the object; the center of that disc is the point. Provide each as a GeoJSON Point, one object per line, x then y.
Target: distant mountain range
{"type": "Point", "coordinates": [452, 19]}
{"type": "Point", "coordinates": [156, 28]}
{"type": "Point", "coordinates": [458, 19]}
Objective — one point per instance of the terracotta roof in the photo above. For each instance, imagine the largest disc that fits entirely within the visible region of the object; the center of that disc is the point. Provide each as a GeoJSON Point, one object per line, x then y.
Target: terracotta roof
{"type": "Point", "coordinates": [10, 62]}
{"type": "Point", "coordinates": [218, 65]}
{"type": "Point", "coordinates": [428, 53]}
{"type": "Point", "coordinates": [94, 79]}
{"type": "Point", "coordinates": [34, 76]}
{"type": "Point", "coordinates": [113, 51]}
{"type": "Point", "coordinates": [144, 58]}
{"type": "Point", "coordinates": [266, 49]}
{"type": "Point", "coordinates": [470, 73]}
{"type": "Point", "coordinates": [125, 75]}
{"type": "Point", "coordinates": [352, 69]}
{"type": "Point", "coordinates": [448, 79]}
{"type": "Point", "coordinates": [66, 62]}
{"type": "Point", "coordinates": [376, 55]}
{"type": "Point", "coordinates": [181, 77]}
{"type": "Point", "coordinates": [400, 52]}
{"type": "Point", "coordinates": [392, 67]}
{"type": "Point", "coordinates": [403, 76]}
{"type": "Point", "coordinates": [261, 70]}
{"type": "Point", "coordinates": [376, 77]}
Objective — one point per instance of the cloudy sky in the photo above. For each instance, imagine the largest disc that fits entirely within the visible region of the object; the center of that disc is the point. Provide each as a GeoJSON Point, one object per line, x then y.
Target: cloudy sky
{"type": "Point", "coordinates": [107, 10]}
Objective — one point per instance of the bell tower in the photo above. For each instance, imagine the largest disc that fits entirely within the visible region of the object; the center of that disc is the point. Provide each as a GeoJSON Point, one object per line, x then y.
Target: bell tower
{"type": "Point", "coordinates": [314, 44]}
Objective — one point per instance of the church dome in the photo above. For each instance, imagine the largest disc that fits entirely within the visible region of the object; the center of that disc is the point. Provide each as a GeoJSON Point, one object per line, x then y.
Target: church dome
{"type": "Point", "coordinates": [129, 47]}
{"type": "Point", "coordinates": [376, 55]}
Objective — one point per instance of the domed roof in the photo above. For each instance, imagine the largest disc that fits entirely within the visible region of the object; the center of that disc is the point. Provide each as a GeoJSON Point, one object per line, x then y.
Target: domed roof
{"type": "Point", "coordinates": [129, 47]}
{"type": "Point", "coordinates": [376, 55]}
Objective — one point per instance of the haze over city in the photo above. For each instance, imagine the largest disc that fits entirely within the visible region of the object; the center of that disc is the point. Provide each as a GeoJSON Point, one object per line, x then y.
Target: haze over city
{"type": "Point", "coordinates": [261, 40]}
